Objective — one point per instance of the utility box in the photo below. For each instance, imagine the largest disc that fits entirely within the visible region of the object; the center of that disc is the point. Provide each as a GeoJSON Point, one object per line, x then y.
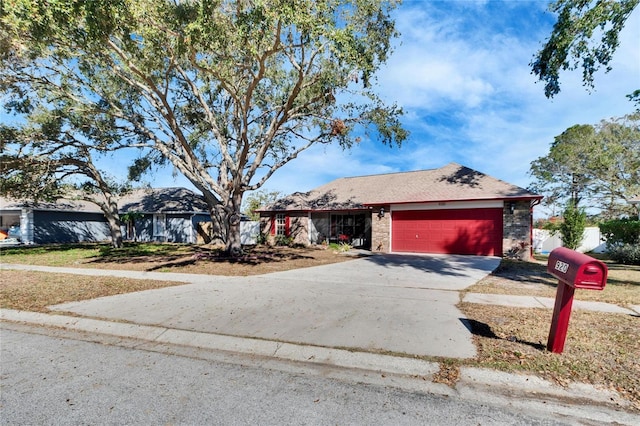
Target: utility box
{"type": "Point", "coordinates": [577, 269]}
{"type": "Point", "coordinates": [573, 270]}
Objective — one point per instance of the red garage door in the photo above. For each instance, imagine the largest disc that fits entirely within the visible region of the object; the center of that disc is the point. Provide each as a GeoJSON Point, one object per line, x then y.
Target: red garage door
{"type": "Point", "coordinates": [471, 231]}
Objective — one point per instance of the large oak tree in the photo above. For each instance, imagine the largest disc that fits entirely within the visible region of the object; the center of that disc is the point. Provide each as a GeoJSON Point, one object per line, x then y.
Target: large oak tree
{"type": "Point", "coordinates": [227, 91]}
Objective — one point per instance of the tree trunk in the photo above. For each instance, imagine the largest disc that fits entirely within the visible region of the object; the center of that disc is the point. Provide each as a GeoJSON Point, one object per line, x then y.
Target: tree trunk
{"type": "Point", "coordinates": [225, 220]}
{"type": "Point", "coordinates": [114, 228]}
{"type": "Point", "coordinates": [234, 242]}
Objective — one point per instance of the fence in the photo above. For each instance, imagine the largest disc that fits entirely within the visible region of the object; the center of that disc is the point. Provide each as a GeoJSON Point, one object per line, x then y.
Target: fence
{"type": "Point", "coordinates": [544, 242]}
{"type": "Point", "coordinates": [249, 231]}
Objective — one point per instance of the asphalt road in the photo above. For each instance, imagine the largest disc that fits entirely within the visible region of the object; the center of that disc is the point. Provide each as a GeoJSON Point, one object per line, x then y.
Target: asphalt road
{"type": "Point", "coordinates": [49, 378]}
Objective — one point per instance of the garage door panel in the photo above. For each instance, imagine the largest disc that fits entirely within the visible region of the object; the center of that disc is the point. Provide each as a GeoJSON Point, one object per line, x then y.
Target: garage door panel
{"type": "Point", "coordinates": [471, 231]}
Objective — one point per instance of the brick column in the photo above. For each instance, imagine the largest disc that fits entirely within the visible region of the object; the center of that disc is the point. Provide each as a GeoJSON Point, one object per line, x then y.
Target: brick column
{"type": "Point", "coordinates": [517, 230]}
{"type": "Point", "coordinates": [380, 230]}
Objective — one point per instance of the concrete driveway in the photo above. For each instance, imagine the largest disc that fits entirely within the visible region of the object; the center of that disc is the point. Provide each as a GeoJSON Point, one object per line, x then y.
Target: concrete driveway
{"type": "Point", "coordinates": [391, 303]}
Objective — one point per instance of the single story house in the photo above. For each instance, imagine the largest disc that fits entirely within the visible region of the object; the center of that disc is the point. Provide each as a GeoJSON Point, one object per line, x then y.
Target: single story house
{"type": "Point", "coordinates": [163, 215]}
{"type": "Point", "coordinates": [453, 209]}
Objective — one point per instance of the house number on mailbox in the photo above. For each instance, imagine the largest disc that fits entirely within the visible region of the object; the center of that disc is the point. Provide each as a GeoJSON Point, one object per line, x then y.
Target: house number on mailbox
{"type": "Point", "coordinates": [561, 266]}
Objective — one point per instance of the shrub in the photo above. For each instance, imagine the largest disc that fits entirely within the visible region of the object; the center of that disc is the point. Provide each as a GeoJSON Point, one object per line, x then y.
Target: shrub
{"type": "Point", "coordinates": [340, 247]}
{"type": "Point", "coordinates": [262, 238]}
{"type": "Point", "coordinates": [572, 229]}
{"type": "Point", "coordinates": [628, 254]}
{"type": "Point", "coordinates": [282, 240]}
{"type": "Point", "coordinates": [620, 232]}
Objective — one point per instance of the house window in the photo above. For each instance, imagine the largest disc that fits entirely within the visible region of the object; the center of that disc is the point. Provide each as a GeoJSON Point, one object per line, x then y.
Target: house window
{"type": "Point", "coordinates": [159, 225]}
{"type": "Point", "coordinates": [344, 228]}
{"type": "Point", "coordinates": [281, 225]}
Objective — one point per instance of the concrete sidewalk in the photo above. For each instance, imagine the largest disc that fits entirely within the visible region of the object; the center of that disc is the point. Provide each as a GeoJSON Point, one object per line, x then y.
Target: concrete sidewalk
{"type": "Point", "coordinates": [546, 302]}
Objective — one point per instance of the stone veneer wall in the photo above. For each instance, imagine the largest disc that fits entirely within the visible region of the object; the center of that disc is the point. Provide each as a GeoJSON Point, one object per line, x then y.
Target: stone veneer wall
{"type": "Point", "coordinates": [380, 230]}
{"type": "Point", "coordinates": [516, 240]}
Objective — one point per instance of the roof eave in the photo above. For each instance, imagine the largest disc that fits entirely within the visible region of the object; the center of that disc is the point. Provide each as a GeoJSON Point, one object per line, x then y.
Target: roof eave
{"type": "Point", "coordinates": [446, 200]}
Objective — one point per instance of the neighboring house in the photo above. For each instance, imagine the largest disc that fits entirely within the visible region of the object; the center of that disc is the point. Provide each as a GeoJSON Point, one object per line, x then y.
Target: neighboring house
{"type": "Point", "coordinates": [168, 215]}
{"type": "Point", "coordinates": [165, 215]}
{"type": "Point", "coordinates": [452, 209]}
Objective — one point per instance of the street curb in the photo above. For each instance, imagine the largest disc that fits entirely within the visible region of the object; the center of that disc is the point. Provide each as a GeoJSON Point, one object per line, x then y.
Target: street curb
{"type": "Point", "coordinates": [286, 351]}
{"type": "Point", "coordinates": [576, 401]}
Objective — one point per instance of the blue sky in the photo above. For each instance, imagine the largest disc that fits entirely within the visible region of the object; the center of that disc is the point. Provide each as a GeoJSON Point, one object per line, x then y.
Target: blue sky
{"type": "Point", "coordinates": [461, 72]}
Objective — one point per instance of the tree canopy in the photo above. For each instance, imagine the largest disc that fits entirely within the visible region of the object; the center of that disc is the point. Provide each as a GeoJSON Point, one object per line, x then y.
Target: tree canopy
{"type": "Point", "coordinates": [226, 91]}
{"type": "Point", "coordinates": [51, 153]}
{"type": "Point", "coordinates": [584, 36]}
{"type": "Point", "coordinates": [592, 166]}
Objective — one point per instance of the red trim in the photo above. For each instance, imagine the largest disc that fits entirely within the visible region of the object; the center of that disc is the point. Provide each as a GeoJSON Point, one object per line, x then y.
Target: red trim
{"type": "Point", "coordinates": [272, 231]}
{"type": "Point", "coordinates": [537, 197]}
{"type": "Point", "coordinates": [287, 225]}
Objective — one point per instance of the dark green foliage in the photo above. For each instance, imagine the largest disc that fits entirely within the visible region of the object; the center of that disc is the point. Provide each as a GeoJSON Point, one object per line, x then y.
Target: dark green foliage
{"type": "Point", "coordinates": [282, 240]}
{"type": "Point", "coordinates": [258, 199]}
{"type": "Point", "coordinates": [572, 229]}
{"type": "Point", "coordinates": [628, 254]}
{"type": "Point", "coordinates": [619, 232]}
{"type": "Point", "coordinates": [573, 43]}
{"type": "Point", "coordinates": [598, 166]}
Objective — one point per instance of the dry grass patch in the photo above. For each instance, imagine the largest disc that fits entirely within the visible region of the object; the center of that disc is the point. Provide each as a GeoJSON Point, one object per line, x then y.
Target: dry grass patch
{"type": "Point", "coordinates": [34, 291]}
{"type": "Point", "coordinates": [601, 348]}
{"type": "Point", "coordinates": [173, 258]}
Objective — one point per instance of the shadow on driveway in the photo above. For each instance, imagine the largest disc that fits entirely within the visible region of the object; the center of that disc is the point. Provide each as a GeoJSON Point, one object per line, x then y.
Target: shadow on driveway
{"type": "Point", "coordinates": [452, 265]}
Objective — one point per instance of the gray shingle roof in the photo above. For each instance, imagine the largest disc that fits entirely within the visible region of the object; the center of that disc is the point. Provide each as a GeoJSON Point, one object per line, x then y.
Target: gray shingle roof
{"type": "Point", "coordinates": [452, 182]}
{"type": "Point", "coordinates": [163, 200]}
{"type": "Point", "coordinates": [151, 200]}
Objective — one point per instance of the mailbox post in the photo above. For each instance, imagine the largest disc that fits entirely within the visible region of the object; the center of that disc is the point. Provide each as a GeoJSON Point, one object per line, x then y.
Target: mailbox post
{"type": "Point", "coordinates": [573, 270]}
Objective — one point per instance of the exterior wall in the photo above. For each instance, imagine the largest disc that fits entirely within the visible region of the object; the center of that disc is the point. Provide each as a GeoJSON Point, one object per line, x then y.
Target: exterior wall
{"type": "Point", "coordinates": [144, 228]}
{"type": "Point", "coordinates": [516, 237]}
{"type": "Point", "coordinates": [265, 225]}
{"type": "Point", "coordinates": [320, 227]}
{"type": "Point", "coordinates": [314, 228]}
{"type": "Point", "coordinates": [381, 230]}
{"type": "Point", "coordinates": [180, 228]}
{"type": "Point", "coordinates": [26, 226]}
{"type": "Point", "coordinates": [69, 227]}
{"type": "Point", "coordinates": [299, 228]}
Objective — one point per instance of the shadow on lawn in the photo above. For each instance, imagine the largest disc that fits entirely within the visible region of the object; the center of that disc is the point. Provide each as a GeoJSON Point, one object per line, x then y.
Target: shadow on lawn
{"type": "Point", "coordinates": [250, 258]}
{"type": "Point", "coordinates": [529, 272]}
{"type": "Point", "coordinates": [482, 329]}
